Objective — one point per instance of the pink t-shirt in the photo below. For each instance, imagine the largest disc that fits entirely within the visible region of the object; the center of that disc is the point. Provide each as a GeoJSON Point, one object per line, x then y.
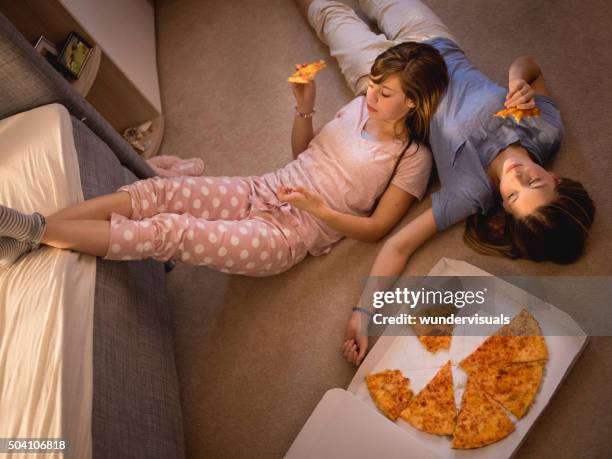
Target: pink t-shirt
{"type": "Point", "coordinates": [348, 171]}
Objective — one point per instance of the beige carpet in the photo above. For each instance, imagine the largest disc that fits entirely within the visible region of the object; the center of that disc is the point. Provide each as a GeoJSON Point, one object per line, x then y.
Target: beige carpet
{"type": "Point", "coordinates": [254, 356]}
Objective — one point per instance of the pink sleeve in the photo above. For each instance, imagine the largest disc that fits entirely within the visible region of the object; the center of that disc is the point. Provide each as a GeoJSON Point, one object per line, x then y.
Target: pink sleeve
{"type": "Point", "coordinates": [412, 174]}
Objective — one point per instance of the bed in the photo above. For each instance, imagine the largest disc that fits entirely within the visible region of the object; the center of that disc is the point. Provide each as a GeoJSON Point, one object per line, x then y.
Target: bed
{"type": "Point", "coordinates": [86, 347]}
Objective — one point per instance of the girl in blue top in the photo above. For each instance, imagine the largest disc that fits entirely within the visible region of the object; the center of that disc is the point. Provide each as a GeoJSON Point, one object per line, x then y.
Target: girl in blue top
{"type": "Point", "coordinates": [490, 168]}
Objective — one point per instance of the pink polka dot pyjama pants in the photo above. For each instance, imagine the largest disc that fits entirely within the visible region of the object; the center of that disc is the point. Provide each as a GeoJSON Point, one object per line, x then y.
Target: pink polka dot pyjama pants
{"type": "Point", "coordinates": [203, 221]}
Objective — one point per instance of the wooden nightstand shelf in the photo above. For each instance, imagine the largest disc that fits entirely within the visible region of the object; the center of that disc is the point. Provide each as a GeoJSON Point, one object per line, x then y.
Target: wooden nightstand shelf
{"type": "Point", "coordinates": [120, 77]}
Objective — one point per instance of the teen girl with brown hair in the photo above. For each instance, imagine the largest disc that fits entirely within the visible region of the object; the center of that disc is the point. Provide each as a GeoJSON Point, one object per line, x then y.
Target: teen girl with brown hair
{"type": "Point", "coordinates": [357, 177]}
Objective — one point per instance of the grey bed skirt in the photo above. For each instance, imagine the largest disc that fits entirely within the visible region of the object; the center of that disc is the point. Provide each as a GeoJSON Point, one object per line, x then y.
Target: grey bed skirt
{"type": "Point", "coordinates": [136, 403]}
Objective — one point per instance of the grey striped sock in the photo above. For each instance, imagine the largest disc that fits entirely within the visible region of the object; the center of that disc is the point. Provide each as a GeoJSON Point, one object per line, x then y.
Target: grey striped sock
{"type": "Point", "coordinates": [20, 226]}
{"type": "Point", "coordinates": [11, 250]}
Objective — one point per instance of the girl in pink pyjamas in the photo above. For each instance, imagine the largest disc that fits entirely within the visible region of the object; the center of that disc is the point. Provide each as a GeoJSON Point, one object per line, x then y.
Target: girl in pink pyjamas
{"type": "Point", "coordinates": [261, 226]}
{"type": "Point", "coordinates": [239, 225]}
{"type": "Point", "coordinates": [356, 177]}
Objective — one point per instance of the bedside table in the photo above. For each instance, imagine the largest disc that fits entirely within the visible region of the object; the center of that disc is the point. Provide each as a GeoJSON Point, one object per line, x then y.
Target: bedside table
{"type": "Point", "coordinates": [120, 77]}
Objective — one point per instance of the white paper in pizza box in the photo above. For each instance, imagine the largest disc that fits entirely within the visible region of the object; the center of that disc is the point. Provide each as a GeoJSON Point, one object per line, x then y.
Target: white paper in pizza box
{"type": "Point", "coordinates": [564, 338]}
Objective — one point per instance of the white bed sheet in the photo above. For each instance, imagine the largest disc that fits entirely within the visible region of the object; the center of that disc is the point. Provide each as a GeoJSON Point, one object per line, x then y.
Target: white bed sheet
{"type": "Point", "coordinates": [47, 297]}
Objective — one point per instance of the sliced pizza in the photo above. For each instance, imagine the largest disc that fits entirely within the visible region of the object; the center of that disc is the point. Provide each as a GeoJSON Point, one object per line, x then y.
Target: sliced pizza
{"type": "Point", "coordinates": [433, 336]}
{"type": "Point", "coordinates": [519, 341]}
{"type": "Point", "coordinates": [433, 410]}
{"type": "Point", "coordinates": [518, 113]}
{"type": "Point", "coordinates": [481, 419]}
{"type": "Point", "coordinates": [513, 385]}
{"type": "Point", "coordinates": [306, 73]}
{"type": "Point", "coordinates": [434, 344]}
{"type": "Point", "coordinates": [390, 391]}
{"type": "Point", "coordinates": [522, 324]}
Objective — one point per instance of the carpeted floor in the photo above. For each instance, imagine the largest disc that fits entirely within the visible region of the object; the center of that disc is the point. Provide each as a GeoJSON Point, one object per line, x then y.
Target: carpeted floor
{"type": "Point", "coordinates": [254, 356]}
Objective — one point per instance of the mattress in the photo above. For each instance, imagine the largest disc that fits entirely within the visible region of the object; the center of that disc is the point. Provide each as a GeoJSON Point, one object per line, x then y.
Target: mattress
{"type": "Point", "coordinates": [47, 297]}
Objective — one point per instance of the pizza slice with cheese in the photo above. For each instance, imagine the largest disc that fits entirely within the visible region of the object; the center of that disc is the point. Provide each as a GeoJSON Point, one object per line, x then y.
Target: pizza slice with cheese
{"type": "Point", "coordinates": [390, 391]}
{"type": "Point", "coordinates": [434, 337]}
{"type": "Point", "coordinates": [306, 73]}
{"type": "Point", "coordinates": [433, 410]}
{"type": "Point", "coordinates": [518, 113]}
{"type": "Point", "coordinates": [434, 344]}
{"type": "Point", "coordinates": [513, 385]}
{"type": "Point", "coordinates": [519, 341]}
{"type": "Point", "coordinates": [481, 419]}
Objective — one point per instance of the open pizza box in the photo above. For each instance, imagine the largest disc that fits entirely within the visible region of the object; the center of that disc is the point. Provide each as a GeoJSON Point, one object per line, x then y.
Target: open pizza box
{"type": "Point", "coordinates": [347, 423]}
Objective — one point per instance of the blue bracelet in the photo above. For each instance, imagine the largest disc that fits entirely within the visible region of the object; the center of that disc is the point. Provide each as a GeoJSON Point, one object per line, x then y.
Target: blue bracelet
{"type": "Point", "coordinates": [364, 310]}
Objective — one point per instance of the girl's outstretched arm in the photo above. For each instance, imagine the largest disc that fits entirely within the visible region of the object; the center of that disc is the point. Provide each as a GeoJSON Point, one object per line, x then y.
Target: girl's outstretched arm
{"type": "Point", "coordinates": [389, 264]}
{"type": "Point", "coordinates": [392, 258]}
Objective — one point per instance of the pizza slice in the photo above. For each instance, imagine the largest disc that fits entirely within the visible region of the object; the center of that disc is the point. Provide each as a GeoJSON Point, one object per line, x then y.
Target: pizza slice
{"type": "Point", "coordinates": [434, 337]}
{"type": "Point", "coordinates": [519, 341]}
{"type": "Point", "coordinates": [481, 420]}
{"type": "Point", "coordinates": [522, 324]}
{"type": "Point", "coordinates": [433, 410]}
{"type": "Point", "coordinates": [518, 113]}
{"type": "Point", "coordinates": [390, 391]}
{"type": "Point", "coordinates": [434, 344]}
{"type": "Point", "coordinates": [306, 73]}
{"type": "Point", "coordinates": [507, 349]}
{"type": "Point", "coordinates": [513, 385]}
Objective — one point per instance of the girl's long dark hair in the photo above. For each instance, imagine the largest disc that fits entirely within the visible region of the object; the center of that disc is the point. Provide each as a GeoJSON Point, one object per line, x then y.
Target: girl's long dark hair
{"type": "Point", "coordinates": [554, 232]}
